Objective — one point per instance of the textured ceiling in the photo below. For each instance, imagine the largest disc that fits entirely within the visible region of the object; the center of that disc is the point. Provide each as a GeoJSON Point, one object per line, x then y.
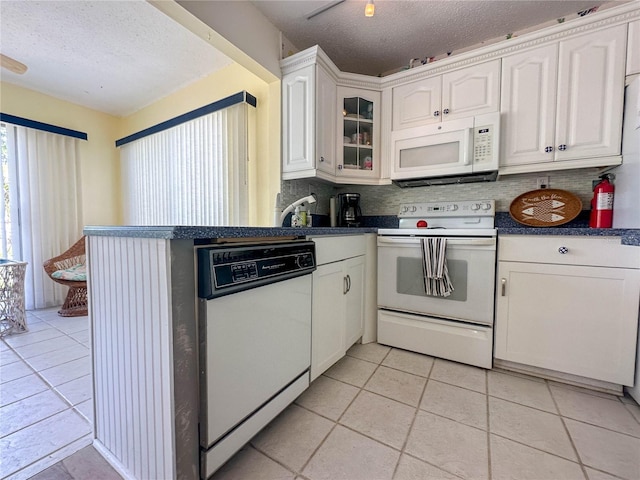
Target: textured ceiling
{"type": "Point", "coordinates": [111, 56]}
{"type": "Point", "coordinates": [403, 29]}
{"type": "Point", "coordinates": [119, 56]}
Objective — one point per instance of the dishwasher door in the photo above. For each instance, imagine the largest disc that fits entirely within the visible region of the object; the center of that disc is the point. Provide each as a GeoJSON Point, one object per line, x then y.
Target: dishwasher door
{"type": "Point", "coordinates": [253, 345]}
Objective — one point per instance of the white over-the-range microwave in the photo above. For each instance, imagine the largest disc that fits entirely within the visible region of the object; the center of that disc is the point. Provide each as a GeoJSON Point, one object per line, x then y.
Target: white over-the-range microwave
{"type": "Point", "coordinates": [456, 151]}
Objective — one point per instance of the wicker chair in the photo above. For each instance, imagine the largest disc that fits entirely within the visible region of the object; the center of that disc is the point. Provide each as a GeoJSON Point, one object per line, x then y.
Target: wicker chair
{"type": "Point", "coordinates": [75, 304]}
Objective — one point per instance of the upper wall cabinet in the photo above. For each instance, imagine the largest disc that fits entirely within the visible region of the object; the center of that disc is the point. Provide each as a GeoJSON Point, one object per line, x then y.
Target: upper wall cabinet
{"type": "Point", "coordinates": [308, 123]}
{"type": "Point", "coordinates": [461, 93]}
{"type": "Point", "coordinates": [329, 131]}
{"type": "Point", "coordinates": [562, 103]}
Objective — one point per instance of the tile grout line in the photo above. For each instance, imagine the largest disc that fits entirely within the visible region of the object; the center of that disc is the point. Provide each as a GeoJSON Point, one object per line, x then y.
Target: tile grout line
{"type": "Point", "coordinates": [417, 407]}
{"type": "Point", "coordinates": [626, 406]}
{"type": "Point", "coordinates": [413, 421]}
{"type": "Point", "coordinates": [50, 454]}
{"type": "Point", "coordinates": [335, 422]}
{"type": "Point", "coordinates": [566, 429]}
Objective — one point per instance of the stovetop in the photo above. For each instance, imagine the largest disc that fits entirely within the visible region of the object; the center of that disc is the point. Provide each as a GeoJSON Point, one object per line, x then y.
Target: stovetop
{"type": "Point", "coordinates": [462, 218]}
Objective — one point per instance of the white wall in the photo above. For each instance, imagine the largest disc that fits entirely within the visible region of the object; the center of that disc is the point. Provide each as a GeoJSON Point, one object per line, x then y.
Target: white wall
{"type": "Point", "coordinates": [99, 171]}
{"type": "Point", "coordinates": [242, 24]}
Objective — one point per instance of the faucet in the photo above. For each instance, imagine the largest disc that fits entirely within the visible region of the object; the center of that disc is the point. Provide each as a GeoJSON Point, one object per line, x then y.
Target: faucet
{"type": "Point", "coordinates": [309, 199]}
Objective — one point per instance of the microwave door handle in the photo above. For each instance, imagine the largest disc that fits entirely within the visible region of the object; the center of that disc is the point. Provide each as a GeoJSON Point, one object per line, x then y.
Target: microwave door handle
{"type": "Point", "coordinates": [467, 151]}
{"type": "Point", "coordinates": [450, 241]}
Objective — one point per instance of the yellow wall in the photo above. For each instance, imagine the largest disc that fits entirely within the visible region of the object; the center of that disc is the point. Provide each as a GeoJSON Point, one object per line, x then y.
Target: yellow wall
{"type": "Point", "coordinates": [99, 157]}
{"type": "Point", "coordinates": [264, 172]}
{"type": "Point", "coordinates": [100, 169]}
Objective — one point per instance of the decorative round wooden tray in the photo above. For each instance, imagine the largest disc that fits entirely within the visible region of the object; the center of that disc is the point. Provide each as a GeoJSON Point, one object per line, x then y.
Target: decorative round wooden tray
{"type": "Point", "coordinates": [547, 207]}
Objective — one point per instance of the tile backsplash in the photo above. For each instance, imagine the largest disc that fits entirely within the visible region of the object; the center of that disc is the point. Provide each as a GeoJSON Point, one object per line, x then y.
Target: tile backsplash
{"type": "Point", "coordinates": [385, 200]}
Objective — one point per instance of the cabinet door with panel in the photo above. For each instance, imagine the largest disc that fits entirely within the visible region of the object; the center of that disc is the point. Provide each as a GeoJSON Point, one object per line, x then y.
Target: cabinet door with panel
{"type": "Point", "coordinates": [529, 106]}
{"type": "Point", "coordinates": [633, 48]}
{"type": "Point", "coordinates": [298, 120]}
{"type": "Point", "coordinates": [471, 91]}
{"type": "Point", "coordinates": [325, 118]}
{"type": "Point", "coordinates": [417, 103]}
{"type": "Point", "coordinates": [354, 308]}
{"type": "Point", "coordinates": [328, 317]}
{"type": "Point", "coordinates": [591, 94]}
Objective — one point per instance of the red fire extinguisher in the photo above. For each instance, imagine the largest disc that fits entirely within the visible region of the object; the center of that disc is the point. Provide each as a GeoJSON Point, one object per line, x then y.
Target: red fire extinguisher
{"type": "Point", "coordinates": [602, 203]}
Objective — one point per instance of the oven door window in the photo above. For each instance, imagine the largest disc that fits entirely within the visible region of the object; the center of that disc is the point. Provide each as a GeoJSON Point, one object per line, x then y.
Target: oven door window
{"type": "Point", "coordinates": [409, 280]}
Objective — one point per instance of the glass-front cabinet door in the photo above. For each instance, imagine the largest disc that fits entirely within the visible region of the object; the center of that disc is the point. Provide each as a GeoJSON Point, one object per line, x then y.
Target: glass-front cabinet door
{"type": "Point", "coordinates": [359, 131]}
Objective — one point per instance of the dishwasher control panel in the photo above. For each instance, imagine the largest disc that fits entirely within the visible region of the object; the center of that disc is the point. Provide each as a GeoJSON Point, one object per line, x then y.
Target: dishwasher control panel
{"type": "Point", "coordinates": [225, 269]}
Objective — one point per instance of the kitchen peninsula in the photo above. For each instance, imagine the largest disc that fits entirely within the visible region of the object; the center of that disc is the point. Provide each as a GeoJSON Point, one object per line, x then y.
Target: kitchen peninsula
{"type": "Point", "coordinates": [142, 284]}
{"type": "Point", "coordinates": [143, 311]}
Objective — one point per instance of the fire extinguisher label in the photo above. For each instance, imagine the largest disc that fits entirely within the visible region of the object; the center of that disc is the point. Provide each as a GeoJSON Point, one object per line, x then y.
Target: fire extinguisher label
{"type": "Point", "coordinates": [604, 201]}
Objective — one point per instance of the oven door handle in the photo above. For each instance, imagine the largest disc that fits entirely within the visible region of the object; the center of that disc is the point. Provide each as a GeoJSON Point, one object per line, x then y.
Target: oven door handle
{"type": "Point", "coordinates": [450, 241]}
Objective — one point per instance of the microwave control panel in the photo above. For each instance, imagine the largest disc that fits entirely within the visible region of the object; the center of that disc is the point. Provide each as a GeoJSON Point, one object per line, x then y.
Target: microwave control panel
{"type": "Point", "coordinates": [483, 144]}
{"type": "Point", "coordinates": [486, 141]}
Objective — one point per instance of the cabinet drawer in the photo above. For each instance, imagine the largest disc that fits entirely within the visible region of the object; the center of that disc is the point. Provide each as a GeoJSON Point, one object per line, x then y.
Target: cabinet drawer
{"type": "Point", "coordinates": [334, 249]}
{"type": "Point", "coordinates": [594, 251]}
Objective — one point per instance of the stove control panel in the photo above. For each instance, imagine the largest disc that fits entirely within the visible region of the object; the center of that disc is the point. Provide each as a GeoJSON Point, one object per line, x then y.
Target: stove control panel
{"type": "Point", "coordinates": [471, 208]}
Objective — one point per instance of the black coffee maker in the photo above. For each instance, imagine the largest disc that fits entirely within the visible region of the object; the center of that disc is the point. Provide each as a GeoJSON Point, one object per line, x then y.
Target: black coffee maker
{"type": "Point", "coordinates": [349, 213]}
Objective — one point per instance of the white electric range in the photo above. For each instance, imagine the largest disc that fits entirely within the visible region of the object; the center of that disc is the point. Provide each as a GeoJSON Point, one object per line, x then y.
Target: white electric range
{"type": "Point", "coordinates": [458, 327]}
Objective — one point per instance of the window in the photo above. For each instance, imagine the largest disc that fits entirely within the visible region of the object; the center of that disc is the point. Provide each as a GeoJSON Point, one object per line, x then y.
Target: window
{"type": "Point", "coordinates": [194, 173]}
{"type": "Point", "coordinates": [6, 241]}
{"type": "Point", "coordinates": [40, 202]}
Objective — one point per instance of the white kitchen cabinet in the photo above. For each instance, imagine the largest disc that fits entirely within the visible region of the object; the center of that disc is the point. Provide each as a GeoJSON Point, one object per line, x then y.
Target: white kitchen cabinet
{"type": "Point", "coordinates": [574, 313]}
{"type": "Point", "coordinates": [633, 48]}
{"type": "Point", "coordinates": [337, 312]}
{"type": "Point", "coordinates": [354, 307]}
{"type": "Point", "coordinates": [308, 119]}
{"type": "Point", "coordinates": [329, 131]}
{"type": "Point", "coordinates": [562, 103]}
{"type": "Point", "coordinates": [461, 93]}
{"type": "Point", "coordinates": [359, 130]}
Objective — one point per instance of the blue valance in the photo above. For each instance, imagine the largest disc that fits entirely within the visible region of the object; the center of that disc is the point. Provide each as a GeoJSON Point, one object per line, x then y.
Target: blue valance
{"type": "Point", "coordinates": [185, 117]}
{"type": "Point", "coordinates": [46, 127]}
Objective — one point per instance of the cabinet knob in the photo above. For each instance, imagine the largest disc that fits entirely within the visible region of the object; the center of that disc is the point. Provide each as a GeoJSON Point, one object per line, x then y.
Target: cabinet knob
{"type": "Point", "coordinates": [322, 159]}
{"type": "Point", "coordinates": [446, 111]}
{"type": "Point", "coordinates": [563, 250]}
{"type": "Point", "coordinates": [436, 113]}
{"type": "Point", "coordinates": [503, 282]}
{"type": "Point", "coordinates": [562, 147]}
{"type": "Point", "coordinates": [548, 149]}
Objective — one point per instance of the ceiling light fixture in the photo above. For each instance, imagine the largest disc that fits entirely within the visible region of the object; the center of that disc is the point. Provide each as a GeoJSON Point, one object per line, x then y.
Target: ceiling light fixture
{"type": "Point", "coordinates": [370, 9]}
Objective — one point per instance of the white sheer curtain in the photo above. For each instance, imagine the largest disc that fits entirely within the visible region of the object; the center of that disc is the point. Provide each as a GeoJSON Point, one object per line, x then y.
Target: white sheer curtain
{"type": "Point", "coordinates": [191, 174]}
{"type": "Point", "coordinates": [46, 172]}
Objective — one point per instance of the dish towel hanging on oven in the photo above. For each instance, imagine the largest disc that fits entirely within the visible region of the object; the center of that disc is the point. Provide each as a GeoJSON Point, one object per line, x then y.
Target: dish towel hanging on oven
{"type": "Point", "coordinates": [434, 267]}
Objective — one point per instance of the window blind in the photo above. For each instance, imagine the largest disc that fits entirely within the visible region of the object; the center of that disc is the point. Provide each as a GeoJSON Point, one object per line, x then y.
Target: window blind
{"type": "Point", "coordinates": [192, 174]}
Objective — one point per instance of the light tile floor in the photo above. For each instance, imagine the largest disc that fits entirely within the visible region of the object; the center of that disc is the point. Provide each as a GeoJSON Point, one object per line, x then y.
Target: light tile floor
{"type": "Point", "coordinates": [45, 393]}
{"type": "Point", "coordinates": [379, 413]}
{"type": "Point", "coordinates": [383, 413]}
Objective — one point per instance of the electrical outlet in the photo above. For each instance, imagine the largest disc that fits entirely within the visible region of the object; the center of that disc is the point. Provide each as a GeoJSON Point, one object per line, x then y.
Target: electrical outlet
{"type": "Point", "coordinates": [542, 182]}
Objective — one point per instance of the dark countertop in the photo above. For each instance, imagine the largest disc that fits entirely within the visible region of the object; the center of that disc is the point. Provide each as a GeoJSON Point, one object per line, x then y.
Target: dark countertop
{"type": "Point", "coordinates": [504, 223]}
{"type": "Point", "coordinates": [580, 227]}
{"type": "Point", "coordinates": [204, 233]}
